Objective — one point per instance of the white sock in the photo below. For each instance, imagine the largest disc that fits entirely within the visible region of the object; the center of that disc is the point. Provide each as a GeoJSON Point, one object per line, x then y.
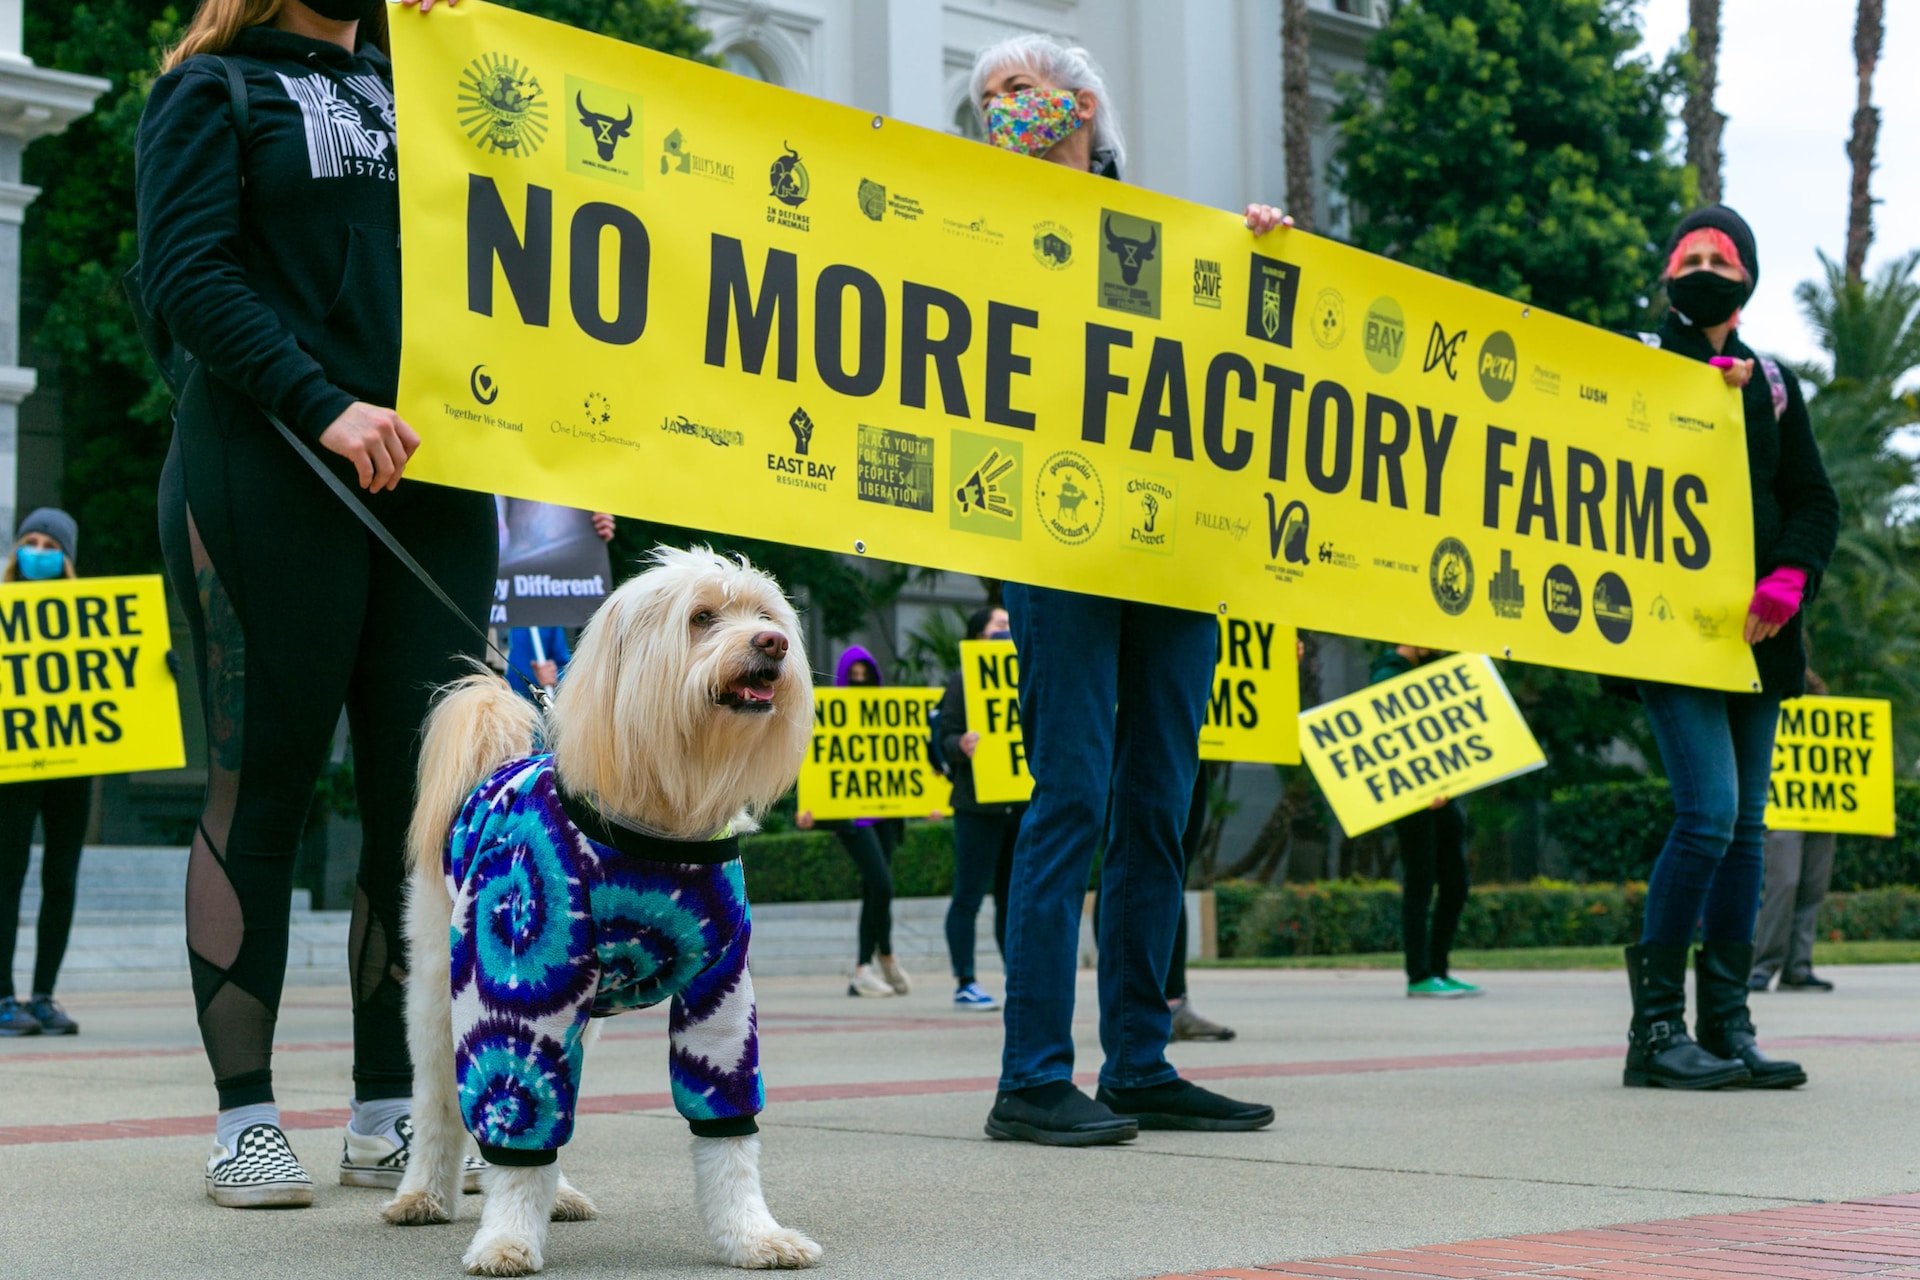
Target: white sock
{"type": "Point", "coordinates": [229, 1125]}
{"type": "Point", "coordinates": [378, 1116]}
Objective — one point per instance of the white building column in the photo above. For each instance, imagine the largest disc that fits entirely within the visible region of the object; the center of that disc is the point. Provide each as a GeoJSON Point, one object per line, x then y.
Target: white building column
{"type": "Point", "coordinates": [899, 68]}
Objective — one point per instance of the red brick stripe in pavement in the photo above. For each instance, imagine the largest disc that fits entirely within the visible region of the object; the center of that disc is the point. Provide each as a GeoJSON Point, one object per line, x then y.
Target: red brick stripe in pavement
{"type": "Point", "coordinates": [1875, 1237]}
{"type": "Point", "coordinates": [188, 1126]}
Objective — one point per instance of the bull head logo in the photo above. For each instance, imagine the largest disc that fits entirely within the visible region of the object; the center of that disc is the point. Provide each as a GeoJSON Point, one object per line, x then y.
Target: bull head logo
{"type": "Point", "coordinates": [1133, 254]}
{"type": "Point", "coordinates": [607, 132]}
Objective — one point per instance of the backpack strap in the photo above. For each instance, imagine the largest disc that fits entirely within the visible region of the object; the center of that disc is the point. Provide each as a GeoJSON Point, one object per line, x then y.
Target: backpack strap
{"type": "Point", "coordinates": [1776, 383]}
{"type": "Point", "coordinates": [236, 97]}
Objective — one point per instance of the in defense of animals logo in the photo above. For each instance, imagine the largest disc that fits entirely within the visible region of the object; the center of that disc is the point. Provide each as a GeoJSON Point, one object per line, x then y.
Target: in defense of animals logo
{"type": "Point", "coordinates": [1499, 366]}
{"type": "Point", "coordinates": [802, 427]}
{"type": "Point", "coordinates": [1287, 529]}
{"type": "Point", "coordinates": [608, 133]}
{"type": "Point", "coordinates": [501, 106]}
{"type": "Point", "coordinates": [1329, 318]}
{"type": "Point", "coordinates": [873, 199]}
{"type": "Point", "coordinates": [1612, 608]}
{"type": "Point", "coordinates": [1385, 335]}
{"type": "Point", "coordinates": [1562, 599]}
{"type": "Point", "coordinates": [1052, 245]}
{"type": "Point", "coordinates": [1505, 592]}
{"type": "Point", "coordinates": [1069, 497]}
{"type": "Point", "coordinates": [787, 179]}
{"type": "Point", "coordinates": [1450, 576]}
{"type": "Point", "coordinates": [1273, 287]}
{"type": "Point", "coordinates": [1442, 351]}
{"type": "Point", "coordinates": [1130, 253]}
{"type": "Point", "coordinates": [481, 383]}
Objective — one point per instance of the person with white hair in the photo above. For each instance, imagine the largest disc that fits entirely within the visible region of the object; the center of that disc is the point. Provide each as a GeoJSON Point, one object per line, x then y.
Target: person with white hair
{"type": "Point", "coordinates": [1111, 698]}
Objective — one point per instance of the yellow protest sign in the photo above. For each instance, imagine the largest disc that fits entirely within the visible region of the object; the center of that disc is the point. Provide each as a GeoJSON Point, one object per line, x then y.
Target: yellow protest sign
{"type": "Point", "coordinates": [1253, 713]}
{"type": "Point", "coordinates": [1442, 729]}
{"type": "Point", "coordinates": [720, 304]}
{"type": "Point", "coordinates": [84, 685]}
{"type": "Point", "coordinates": [1833, 767]}
{"type": "Point", "coordinates": [990, 682]}
{"type": "Point", "coordinates": [869, 756]}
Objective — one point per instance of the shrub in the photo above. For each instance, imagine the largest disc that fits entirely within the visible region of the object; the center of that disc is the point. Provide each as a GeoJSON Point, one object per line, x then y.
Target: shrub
{"type": "Point", "coordinates": [810, 866]}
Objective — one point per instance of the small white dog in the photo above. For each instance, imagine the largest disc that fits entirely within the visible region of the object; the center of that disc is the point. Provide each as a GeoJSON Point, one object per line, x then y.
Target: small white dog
{"type": "Point", "coordinates": [547, 889]}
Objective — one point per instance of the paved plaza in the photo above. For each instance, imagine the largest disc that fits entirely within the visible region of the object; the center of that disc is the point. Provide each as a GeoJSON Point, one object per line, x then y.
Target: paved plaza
{"type": "Point", "coordinates": [1404, 1125]}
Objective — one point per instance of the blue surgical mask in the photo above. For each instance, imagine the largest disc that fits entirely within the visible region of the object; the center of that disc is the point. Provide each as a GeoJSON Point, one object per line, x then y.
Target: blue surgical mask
{"type": "Point", "coordinates": [37, 564]}
{"type": "Point", "coordinates": [998, 635]}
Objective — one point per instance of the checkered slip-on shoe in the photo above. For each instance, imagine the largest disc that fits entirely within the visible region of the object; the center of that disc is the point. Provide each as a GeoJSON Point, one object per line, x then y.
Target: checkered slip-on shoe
{"type": "Point", "coordinates": [381, 1160]}
{"type": "Point", "coordinates": [263, 1174]}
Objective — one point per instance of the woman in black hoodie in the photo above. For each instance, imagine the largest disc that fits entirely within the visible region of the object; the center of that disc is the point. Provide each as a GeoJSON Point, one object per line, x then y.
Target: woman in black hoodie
{"type": "Point", "coordinates": [270, 251]}
{"type": "Point", "coordinates": [1718, 747]}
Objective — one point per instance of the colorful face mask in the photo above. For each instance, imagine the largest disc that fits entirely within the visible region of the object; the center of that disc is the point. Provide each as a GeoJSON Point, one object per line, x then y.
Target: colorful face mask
{"type": "Point", "coordinates": [1031, 121]}
{"type": "Point", "coordinates": [37, 564]}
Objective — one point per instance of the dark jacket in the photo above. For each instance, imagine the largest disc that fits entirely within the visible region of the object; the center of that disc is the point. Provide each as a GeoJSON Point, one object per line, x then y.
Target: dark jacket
{"type": "Point", "coordinates": [1796, 515]}
{"type": "Point", "coordinates": [953, 724]}
{"type": "Point", "coordinates": [278, 266]}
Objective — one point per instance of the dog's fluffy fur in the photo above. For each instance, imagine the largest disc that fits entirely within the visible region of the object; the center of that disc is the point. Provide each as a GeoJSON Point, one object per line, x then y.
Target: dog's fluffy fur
{"type": "Point", "coordinates": [670, 720]}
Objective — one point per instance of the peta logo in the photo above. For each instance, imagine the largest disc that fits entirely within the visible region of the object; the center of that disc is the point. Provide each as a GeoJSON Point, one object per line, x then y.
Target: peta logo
{"type": "Point", "coordinates": [1133, 254]}
{"type": "Point", "coordinates": [607, 132]}
{"type": "Point", "coordinates": [1499, 366]}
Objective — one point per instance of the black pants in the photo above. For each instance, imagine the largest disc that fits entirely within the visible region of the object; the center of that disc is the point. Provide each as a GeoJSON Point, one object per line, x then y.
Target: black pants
{"type": "Point", "coordinates": [871, 848]}
{"type": "Point", "coordinates": [296, 610]}
{"type": "Point", "coordinates": [982, 860]}
{"type": "Point", "coordinates": [1432, 850]}
{"type": "Point", "coordinates": [63, 803]}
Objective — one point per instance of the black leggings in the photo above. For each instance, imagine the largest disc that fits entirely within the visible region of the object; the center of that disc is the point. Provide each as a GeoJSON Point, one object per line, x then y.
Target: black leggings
{"type": "Point", "coordinates": [1432, 848]}
{"type": "Point", "coordinates": [982, 859]}
{"type": "Point", "coordinates": [295, 610]}
{"type": "Point", "coordinates": [63, 803]}
{"type": "Point", "coordinates": [871, 849]}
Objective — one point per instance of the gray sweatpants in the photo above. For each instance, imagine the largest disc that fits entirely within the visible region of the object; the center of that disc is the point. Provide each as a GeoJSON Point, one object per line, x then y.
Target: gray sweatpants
{"type": "Point", "coordinates": [1799, 864]}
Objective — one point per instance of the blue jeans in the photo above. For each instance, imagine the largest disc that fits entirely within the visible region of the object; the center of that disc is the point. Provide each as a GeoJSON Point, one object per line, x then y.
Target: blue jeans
{"type": "Point", "coordinates": [1718, 752]}
{"type": "Point", "coordinates": [1111, 697]}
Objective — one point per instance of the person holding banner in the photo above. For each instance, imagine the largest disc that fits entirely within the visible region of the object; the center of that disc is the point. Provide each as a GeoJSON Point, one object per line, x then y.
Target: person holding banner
{"type": "Point", "coordinates": [43, 548]}
{"type": "Point", "coordinates": [983, 834]}
{"type": "Point", "coordinates": [1718, 747]}
{"type": "Point", "coordinates": [1112, 695]}
{"type": "Point", "coordinates": [269, 219]}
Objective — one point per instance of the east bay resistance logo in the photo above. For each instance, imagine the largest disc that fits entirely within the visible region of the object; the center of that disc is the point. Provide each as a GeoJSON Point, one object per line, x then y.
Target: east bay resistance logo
{"type": "Point", "coordinates": [501, 106]}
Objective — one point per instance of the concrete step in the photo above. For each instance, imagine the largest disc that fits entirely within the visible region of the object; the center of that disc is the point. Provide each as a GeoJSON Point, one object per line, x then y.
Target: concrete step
{"type": "Point", "coordinates": [123, 880]}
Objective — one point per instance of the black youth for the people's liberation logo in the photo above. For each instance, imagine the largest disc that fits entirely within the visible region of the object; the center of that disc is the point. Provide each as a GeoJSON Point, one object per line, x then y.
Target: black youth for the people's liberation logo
{"type": "Point", "coordinates": [1499, 366]}
{"type": "Point", "coordinates": [1505, 591]}
{"type": "Point", "coordinates": [481, 383]}
{"type": "Point", "coordinates": [1287, 529]}
{"type": "Point", "coordinates": [501, 106]}
{"type": "Point", "coordinates": [1562, 599]}
{"type": "Point", "coordinates": [1273, 287]}
{"type": "Point", "coordinates": [1450, 576]}
{"type": "Point", "coordinates": [787, 179]}
{"type": "Point", "coordinates": [1612, 608]}
{"type": "Point", "coordinates": [1442, 351]}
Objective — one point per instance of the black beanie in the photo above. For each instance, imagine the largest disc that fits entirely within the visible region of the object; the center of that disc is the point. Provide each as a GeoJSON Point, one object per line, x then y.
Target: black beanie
{"type": "Point", "coordinates": [1720, 218]}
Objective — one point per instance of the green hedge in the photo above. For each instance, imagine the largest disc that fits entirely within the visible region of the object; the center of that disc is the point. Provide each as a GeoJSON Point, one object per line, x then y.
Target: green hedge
{"type": "Point", "coordinates": [1612, 831]}
{"type": "Point", "coordinates": [1346, 917]}
{"type": "Point", "coordinates": [811, 866]}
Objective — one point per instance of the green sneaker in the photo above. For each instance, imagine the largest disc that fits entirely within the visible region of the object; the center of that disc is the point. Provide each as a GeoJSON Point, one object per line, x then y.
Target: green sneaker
{"type": "Point", "coordinates": [1434, 989]}
{"type": "Point", "coordinates": [1463, 988]}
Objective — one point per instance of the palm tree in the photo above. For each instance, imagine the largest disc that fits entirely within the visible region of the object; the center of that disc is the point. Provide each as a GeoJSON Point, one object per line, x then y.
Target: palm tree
{"type": "Point", "coordinates": [1868, 32]}
{"type": "Point", "coordinates": [1296, 109]}
{"type": "Point", "coordinates": [1702, 120]}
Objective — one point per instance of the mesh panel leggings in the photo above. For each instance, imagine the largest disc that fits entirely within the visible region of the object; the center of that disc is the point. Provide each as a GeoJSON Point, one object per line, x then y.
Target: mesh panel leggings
{"type": "Point", "coordinates": [63, 803]}
{"type": "Point", "coordinates": [871, 848]}
{"type": "Point", "coordinates": [295, 610]}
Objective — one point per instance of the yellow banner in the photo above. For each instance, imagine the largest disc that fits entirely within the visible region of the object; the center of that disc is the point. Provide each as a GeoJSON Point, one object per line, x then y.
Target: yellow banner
{"type": "Point", "coordinates": [990, 681]}
{"type": "Point", "coordinates": [1833, 767]}
{"type": "Point", "coordinates": [84, 685]}
{"type": "Point", "coordinates": [869, 757]}
{"type": "Point", "coordinates": [1253, 713]}
{"type": "Point", "coordinates": [1393, 748]}
{"type": "Point", "coordinates": [641, 285]}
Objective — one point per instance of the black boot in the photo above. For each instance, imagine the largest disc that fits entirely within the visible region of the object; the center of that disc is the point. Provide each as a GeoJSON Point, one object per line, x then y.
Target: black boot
{"type": "Point", "coordinates": [1660, 1054]}
{"type": "Point", "coordinates": [1725, 1027]}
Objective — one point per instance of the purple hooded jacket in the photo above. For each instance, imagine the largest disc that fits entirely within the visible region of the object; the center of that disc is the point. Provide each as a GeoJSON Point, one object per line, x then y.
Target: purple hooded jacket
{"type": "Point", "coordinates": [851, 654]}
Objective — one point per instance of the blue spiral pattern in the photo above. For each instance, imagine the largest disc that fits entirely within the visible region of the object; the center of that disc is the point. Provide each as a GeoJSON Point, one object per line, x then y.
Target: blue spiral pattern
{"type": "Point", "coordinates": [516, 1086]}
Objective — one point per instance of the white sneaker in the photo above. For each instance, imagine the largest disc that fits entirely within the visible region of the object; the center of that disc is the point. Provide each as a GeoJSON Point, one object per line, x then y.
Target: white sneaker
{"type": "Point", "coordinates": [263, 1174]}
{"type": "Point", "coordinates": [381, 1160]}
{"type": "Point", "coordinates": [865, 982]}
{"type": "Point", "coordinates": [895, 976]}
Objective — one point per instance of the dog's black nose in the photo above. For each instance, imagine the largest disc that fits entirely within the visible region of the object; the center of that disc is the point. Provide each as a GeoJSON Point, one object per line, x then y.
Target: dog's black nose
{"type": "Point", "coordinates": [771, 643]}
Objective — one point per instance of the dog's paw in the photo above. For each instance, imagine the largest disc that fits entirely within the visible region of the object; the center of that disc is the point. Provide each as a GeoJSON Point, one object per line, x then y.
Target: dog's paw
{"type": "Point", "coordinates": [570, 1204]}
{"type": "Point", "coordinates": [502, 1256]}
{"type": "Point", "coordinates": [780, 1248]}
{"type": "Point", "coordinates": [415, 1209]}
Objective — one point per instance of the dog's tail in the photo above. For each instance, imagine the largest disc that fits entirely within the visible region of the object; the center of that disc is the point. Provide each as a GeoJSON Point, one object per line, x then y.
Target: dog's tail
{"type": "Point", "coordinates": [477, 724]}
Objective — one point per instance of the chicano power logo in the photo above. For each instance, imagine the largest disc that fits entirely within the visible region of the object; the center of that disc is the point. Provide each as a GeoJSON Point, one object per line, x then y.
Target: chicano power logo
{"type": "Point", "coordinates": [502, 107]}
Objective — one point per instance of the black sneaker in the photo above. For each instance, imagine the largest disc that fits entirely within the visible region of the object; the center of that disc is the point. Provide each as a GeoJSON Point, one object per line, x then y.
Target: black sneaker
{"type": "Point", "coordinates": [1806, 980]}
{"type": "Point", "coordinates": [1057, 1115]}
{"type": "Point", "coordinates": [16, 1020]}
{"type": "Point", "coordinates": [52, 1018]}
{"type": "Point", "coordinates": [1182, 1104]}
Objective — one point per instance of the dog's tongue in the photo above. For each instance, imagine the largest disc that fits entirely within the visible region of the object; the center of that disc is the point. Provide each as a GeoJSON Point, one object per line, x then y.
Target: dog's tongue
{"type": "Point", "coordinates": [754, 692]}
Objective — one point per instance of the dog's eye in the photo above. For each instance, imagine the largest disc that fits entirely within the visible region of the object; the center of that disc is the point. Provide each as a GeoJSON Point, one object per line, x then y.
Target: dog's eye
{"type": "Point", "coordinates": [704, 618]}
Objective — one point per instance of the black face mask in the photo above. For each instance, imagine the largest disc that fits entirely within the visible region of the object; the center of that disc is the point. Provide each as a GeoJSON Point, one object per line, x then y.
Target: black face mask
{"type": "Point", "coordinates": [1705, 298]}
{"type": "Point", "coordinates": [345, 10]}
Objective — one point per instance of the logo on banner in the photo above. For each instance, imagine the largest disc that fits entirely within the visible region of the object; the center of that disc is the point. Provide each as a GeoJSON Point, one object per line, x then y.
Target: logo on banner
{"type": "Point", "coordinates": [987, 497]}
{"type": "Point", "coordinates": [1450, 576]}
{"type": "Point", "coordinates": [1287, 531]}
{"type": "Point", "coordinates": [1612, 608]}
{"type": "Point", "coordinates": [796, 470]}
{"type": "Point", "coordinates": [1206, 283]}
{"type": "Point", "coordinates": [788, 179]}
{"type": "Point", "coordinates": [1499, 366]}
{"type": "Point", "coordinates": [802, 428]}
{"type": "Point", "coordinates": [1151, 514]}
{"type": "Point", "coordinates": [604, 118]}
{"type": "Point", "coordinates": [675, 158]}
{"type": "Point", "coordinates": [1272, 289]}
{"type": "Point", "coordinates": [501, 106]}
{"type": "Point", "coordinates": [1562, 599]}
{"type": "Point", "coordinates": [1505, 591]}
{"type": "Point", "coordinates": [1442, 351]}
{"type": "Point", "coordinates": [1129, 264]}
{"type": "Point", "coordinates": [1329, 318]}
{"type": "Point", "coordinates": [1052, 245]}
{"type": "Point", "coordinates": [480, 382]}
{"type": "Point", "coordinates": [1385, 336]}
{"type": "Point", "coordinates": [873, 199]}
{"type": "Point", "coordinates": [1069, 497]}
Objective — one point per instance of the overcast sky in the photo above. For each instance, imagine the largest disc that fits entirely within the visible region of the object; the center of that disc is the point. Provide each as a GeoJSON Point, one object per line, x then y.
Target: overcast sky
{"type": "Point", "coordinates": [1787, 88]}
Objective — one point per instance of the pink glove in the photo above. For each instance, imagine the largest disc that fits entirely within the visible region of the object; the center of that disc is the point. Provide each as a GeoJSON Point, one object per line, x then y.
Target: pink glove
{"type": "Point", "coordinates": [1776, 597]}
